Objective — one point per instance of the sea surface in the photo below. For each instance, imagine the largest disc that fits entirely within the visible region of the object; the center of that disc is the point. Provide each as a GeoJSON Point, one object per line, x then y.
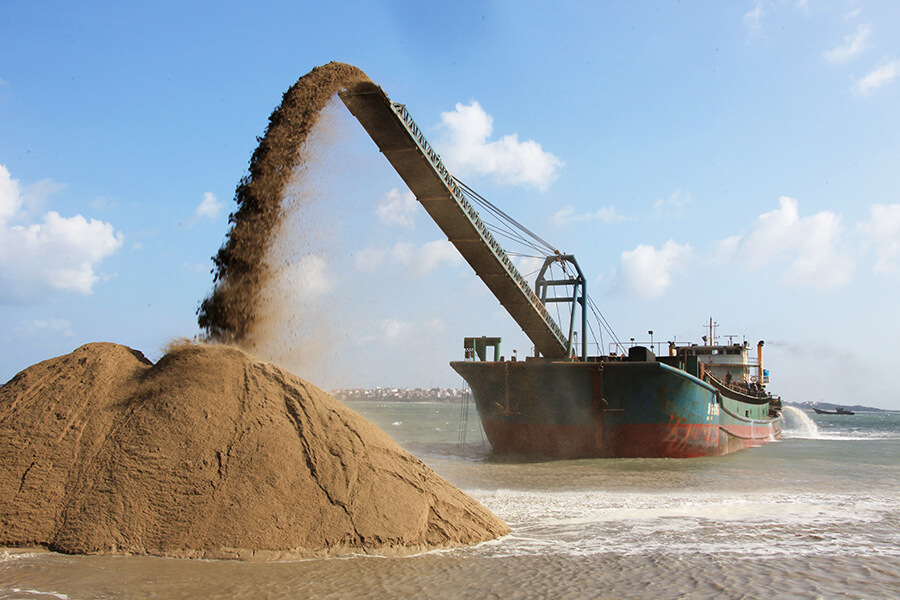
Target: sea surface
{"type": "Point", "coordinates": [816, 515]}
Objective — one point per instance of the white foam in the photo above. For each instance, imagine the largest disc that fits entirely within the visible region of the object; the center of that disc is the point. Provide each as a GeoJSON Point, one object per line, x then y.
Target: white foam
{"type": "Point", "coordinates": [10, 556]}
{"type": "Point", "coordinates": [759, 524]}
{"type": "Point", "coordinates": [40, 594]}
{"type": "Point", "coordinates": [857, 435]}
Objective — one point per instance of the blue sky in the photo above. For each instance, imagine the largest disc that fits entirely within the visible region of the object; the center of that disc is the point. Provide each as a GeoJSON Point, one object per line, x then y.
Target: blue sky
{"type": "Point", "coordinates": [701, 159]}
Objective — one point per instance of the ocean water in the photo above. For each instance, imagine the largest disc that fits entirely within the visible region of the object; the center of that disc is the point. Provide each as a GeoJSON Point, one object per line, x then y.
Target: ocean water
{"type": "Point", "coordinates": [816, 515]}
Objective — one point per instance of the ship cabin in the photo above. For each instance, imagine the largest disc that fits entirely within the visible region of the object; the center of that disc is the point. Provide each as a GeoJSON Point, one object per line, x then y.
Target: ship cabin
{"type": "Point", "coordinates": [730, 364]}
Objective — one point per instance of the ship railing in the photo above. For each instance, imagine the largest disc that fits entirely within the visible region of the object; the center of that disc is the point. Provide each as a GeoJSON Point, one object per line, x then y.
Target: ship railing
{"type": "Point", "coordinates": [710, 359]}
{"type": "Point", "coordinates": [745, 392]}
{"type": "Point", "coordinates": [658, 348]}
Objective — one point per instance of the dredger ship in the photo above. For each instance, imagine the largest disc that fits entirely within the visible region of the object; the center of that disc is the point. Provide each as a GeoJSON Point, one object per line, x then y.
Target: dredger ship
{"type": "Point", "coordinates": [562, 403]}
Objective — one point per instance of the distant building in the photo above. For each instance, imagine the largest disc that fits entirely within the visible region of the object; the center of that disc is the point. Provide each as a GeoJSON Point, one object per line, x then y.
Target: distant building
{"type": "Point", "coordinates": [380, 394]}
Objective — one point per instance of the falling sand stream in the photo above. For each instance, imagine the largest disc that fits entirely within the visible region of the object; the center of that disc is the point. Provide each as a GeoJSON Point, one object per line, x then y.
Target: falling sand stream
{"type": "Point", "coordinates": [232, 312]}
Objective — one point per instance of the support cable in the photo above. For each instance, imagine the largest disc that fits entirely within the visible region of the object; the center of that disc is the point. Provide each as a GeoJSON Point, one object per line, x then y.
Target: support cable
{"type": "Point", "coordinates": [493, 209]}
{"type": "Point", "coordinates": [510, 229]}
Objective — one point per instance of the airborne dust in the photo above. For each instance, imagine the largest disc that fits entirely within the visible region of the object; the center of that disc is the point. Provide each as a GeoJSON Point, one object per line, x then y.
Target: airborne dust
{"type": "Point", "coordinates": [211, 452]}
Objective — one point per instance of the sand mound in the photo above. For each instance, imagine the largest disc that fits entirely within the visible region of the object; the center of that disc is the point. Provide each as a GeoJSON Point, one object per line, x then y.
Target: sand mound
{"type": "Point", "coordinates": [209, 453]}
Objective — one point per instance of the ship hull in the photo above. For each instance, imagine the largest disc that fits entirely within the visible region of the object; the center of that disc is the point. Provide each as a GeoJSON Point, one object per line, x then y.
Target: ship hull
{"type": "Point", "coordinates": [570, 409]}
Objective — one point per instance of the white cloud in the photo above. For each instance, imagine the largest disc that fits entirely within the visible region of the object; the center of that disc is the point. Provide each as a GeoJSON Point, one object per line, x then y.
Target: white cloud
{"type": "Point", "coordinates": [309, 276]}
{"type": "Point", "coordinates": [853, 45]}
{"type": "Point", "coordinates": [58, 253]}
{"type": "Point", "coordinates": [403, 253]}
{"type": "Point", "coordinates": [61, 251]}
{"type": "Point", "coordinates": [419, 261]}
{"type": "Point", "coordinates": [37, 327]}
{"type": "Point", "coordinates": [466, 150]}
{"type": "Point", "coordinates": [753, 19]}
{"type": "Point", "coordinates": [877, 78]}
{"type": "Point", "coordinates": [394, 331]}
{"type": "Point", "coordinates": [646, 271]}
{"type": "Point", "coordinates": [209, 207]}
{"type": "Point", "coordinates": [607, 214]}
{"type": "Point", "coordinates": [811, 246]}
{"type": "Point", "coordinates": [415, 261]}
{"type": "Point", "coordinates": [882, 231]}
{"type": "Point", "coordinates": [368, 259]}
{"type": "Point", "coordinates": [673, 206]}
{"type": "Point", "coordinates": [398, 208]}
{"type": "Point", "coordinates": [529, 266]}
{"type": "Point", "coordinates": [102, 203]}
{"type": "Point", "coordinates": [34, 199]}
{"type": "Point", "coordinates": [10, 196]}
{"type": "Point", "coordinates": [435, 325]}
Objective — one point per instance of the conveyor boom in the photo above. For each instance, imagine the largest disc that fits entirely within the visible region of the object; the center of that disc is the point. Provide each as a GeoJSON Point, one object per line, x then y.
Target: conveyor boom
{"type": "Point", "coordinates": [403, 144]}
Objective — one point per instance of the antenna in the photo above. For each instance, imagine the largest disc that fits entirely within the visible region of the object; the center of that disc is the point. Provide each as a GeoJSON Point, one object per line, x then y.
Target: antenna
{"type": "Point", "coordinates": [712, 331]}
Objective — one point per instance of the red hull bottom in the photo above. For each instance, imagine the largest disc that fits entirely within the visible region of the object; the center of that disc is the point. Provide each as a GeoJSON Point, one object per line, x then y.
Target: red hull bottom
{"type": "Point", "coordinates": [649, 440]}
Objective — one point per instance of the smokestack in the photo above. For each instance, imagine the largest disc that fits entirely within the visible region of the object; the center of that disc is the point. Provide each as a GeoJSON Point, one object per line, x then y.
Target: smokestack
{"type": "Point", "coordinates": [759, 356]}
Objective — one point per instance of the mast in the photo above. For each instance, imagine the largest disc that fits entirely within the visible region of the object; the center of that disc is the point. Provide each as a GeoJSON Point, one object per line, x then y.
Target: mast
{"type": "Point", "coordinates": [712, 332]}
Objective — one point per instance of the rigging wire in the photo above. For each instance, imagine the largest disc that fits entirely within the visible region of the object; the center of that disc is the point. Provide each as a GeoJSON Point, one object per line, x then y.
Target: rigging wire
{"type": "Point", "coordinates": [512, 237]}
{"type": "Point", "coordinates": [481, 200]}
{"type": "Point", "coordinates": [595, 310]}
{"type": "Point", "coordinates": [510, 229]}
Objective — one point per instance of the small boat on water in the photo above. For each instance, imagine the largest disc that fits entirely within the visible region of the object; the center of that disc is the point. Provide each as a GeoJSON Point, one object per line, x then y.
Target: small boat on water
{"type": "Point", "coordinates": [838, 411]}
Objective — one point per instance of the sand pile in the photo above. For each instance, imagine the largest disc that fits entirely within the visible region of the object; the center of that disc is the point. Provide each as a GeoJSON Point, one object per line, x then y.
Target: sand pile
{"type": "Point", "coordinates": [229, 313]}
{"type": "Point", "coordinates": [209, 453]}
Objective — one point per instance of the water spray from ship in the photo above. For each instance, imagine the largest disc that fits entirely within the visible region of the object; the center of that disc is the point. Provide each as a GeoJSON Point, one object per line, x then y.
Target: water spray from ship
{"type": "Point", "coordinates": [798, 424]}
